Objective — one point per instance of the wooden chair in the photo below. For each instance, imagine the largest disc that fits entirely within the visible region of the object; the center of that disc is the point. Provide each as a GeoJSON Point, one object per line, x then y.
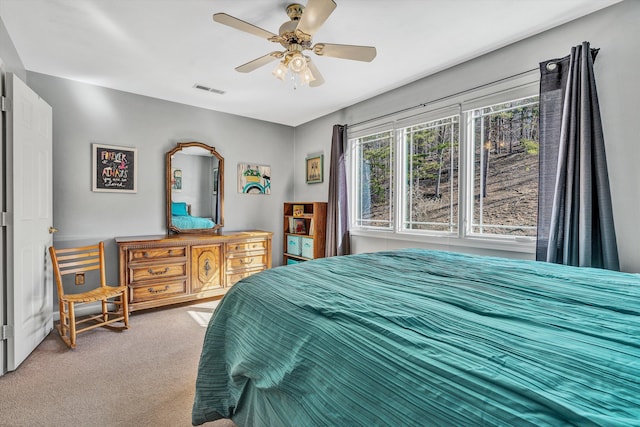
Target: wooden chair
{"type": "Point", "coordinates": [78, 261]}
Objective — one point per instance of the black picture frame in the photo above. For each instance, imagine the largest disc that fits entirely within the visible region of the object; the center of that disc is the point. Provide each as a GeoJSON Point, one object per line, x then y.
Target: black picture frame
{"type": "Point", "coordinates": [114, 168]}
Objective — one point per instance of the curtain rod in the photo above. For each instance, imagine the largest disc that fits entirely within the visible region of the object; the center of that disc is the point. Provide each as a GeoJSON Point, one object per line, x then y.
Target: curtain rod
{"type": "Point", "coordinates": [424, 104]}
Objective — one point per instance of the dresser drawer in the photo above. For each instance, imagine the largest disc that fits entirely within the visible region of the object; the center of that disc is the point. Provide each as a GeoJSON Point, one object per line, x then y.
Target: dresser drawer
{"type": "Point", "coordinates": [236, 277]}
{"type": "Point", "coordinates": [141, 273]}
{"type": "Point", "coordinates": [249, 245]}
{"type": "Point", "coordinates": [158, 291]}
{"type": "Point", "coordinates": [152, 254]}
{"type": "Point", "coordinates": [251, 260]}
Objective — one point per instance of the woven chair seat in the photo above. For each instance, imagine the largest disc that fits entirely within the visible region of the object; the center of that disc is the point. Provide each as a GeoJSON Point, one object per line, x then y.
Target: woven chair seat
{"type": "Point", "coordinates": [97, 294]}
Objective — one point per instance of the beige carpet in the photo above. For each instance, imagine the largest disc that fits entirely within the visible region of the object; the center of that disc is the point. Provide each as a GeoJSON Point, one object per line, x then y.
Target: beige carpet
{"type": "Point", "coordinates": [144, 376]}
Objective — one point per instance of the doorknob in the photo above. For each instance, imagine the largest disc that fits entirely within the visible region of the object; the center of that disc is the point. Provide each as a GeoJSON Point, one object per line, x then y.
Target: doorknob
{"type": "Point", "coordinates": [52, 230]}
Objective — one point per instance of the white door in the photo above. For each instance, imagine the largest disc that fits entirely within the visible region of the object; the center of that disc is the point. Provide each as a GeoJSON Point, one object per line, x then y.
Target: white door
{"type": "Point", "coordinates": [28, 193]}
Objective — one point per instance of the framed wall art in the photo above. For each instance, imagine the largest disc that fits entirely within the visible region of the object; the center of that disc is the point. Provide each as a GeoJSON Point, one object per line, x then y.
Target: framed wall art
{"type": "Point", "coordinates": [176, 179]}
{"type": "Point", "coordinates": [114, 169]}
{"type": "Point", "coordinates": [254, 179]}
{"type": "Point", "coordinates": [314, 169]}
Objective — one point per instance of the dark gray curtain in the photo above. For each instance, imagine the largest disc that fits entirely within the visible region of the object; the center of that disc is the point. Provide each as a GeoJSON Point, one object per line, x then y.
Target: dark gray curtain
{"type": "Point", "coordinates": [337, 213]}
{"type": "Point", "coordinates": [575, 220]}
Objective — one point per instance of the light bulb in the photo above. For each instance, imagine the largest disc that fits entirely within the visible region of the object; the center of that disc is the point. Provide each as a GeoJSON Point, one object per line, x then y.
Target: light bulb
{"type": "Point", "coordinates": [298, 63]}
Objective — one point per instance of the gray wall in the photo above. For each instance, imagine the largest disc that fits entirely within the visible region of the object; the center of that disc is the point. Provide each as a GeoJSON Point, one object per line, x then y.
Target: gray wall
{"type": "Point", "coordinates": [614, 30]}
{"type": "Point", "coordinates": [84, 114]}
{"type": "Point", "coordinates": [9, 59]}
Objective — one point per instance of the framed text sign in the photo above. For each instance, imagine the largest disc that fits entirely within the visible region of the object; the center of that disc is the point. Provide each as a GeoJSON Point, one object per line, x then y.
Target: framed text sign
{"type": "Point", "coordinates": [114, 168]}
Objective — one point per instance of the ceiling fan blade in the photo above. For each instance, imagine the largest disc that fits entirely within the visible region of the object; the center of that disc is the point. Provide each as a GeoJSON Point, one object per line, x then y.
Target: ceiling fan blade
{"type": "Point", "coordinates": [314, 15]}
{"type": "Point", "coordinates": [258, 62]}
{"type": "Point", "coordinates": [241, 25]}
{"type": "Point", "coordinates": [316, 74]}
{"type": "Point", "coordinates": [346, 51]}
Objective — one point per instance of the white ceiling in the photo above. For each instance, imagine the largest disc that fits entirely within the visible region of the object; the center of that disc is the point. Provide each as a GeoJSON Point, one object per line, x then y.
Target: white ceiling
{"type": "Point", "coordinates": [161, 48]}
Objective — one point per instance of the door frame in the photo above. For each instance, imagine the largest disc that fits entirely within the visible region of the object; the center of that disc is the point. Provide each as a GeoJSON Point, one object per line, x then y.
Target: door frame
{"type": "Point", "coordinates": [3, 208]}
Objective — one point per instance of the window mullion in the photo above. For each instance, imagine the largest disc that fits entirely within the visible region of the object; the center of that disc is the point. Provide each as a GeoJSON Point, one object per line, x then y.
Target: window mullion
{"type": "Point", "coordinates": [400, 178]}
{"type": "Point", "coordinates": [482, 178]}
{"type": "Point", "coordinates": [465, 202]}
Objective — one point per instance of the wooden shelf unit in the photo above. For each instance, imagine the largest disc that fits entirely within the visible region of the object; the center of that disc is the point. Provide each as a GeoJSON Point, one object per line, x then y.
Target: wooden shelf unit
{"type": "Point", "coordinates": [315, 221]}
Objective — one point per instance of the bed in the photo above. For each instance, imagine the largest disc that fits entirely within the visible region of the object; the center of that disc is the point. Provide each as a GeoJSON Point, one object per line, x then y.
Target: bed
{"type": "Point", "coordinates": [181, 217]}
{"type": "Point", "coordinates": [419, 338]}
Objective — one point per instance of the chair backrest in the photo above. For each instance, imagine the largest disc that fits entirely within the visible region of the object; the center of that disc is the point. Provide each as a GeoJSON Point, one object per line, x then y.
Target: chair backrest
{"type": "Point", "coordinates": [77, 261]}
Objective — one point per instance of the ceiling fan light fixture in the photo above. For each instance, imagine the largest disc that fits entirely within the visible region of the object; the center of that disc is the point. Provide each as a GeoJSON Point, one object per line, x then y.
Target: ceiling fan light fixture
{"type": "Point", "coordinates": [307, 76]}
{"type": "Point", "coordinates": [295, 36]}
{"type": "Point", "coordinates": [298, 63]}
{"type": "Point", "coordinates": [281, 71]}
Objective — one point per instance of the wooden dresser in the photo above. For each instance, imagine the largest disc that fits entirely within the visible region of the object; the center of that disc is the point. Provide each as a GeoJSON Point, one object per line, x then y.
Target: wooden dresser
{"type": "Point", "coordinates": [162, 270]}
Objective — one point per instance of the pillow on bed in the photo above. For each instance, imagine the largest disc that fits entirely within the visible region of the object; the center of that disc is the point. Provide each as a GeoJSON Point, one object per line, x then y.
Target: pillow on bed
{"type": "Point", "coordinates": [179, 209]}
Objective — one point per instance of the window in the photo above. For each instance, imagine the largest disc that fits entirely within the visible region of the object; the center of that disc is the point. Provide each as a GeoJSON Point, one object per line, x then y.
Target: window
{"type": "Point", "coordinates": [431, 183]}
{"type": "Point", "coordinates": [374, 200]}
{"type": "Point", "coordinates": [466, 170]}
{"type": "Point", "coordinates": [505, 168]}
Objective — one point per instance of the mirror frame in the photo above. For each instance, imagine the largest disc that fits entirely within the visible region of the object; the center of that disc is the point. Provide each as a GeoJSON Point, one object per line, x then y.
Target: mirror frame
{"type": "Point", "coordinates": [220, 221]}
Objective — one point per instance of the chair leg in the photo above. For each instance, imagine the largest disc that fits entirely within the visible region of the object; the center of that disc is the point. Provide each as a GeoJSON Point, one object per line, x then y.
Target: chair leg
{"type": "Point", "coordinates": [72, 325]}
{"type": "Point", "coordinates": [63, 319]}
{"type": "Point", "coordinates": [105, 312]}
{"type": "Point", "coordinates": [125, 307]}
{"type": "Point", "coordinates": [63, 325]}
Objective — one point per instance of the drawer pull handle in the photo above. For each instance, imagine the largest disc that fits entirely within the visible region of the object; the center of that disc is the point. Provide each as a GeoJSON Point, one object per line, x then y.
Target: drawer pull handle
{"type": "Point", "coordinates": [145, 254]}
{"type": "Point", "coordinates": [158, 273]}
{"type": "Point", "coordinates": [158, 291]}
{"type": "Point", "coordinates": [246, 261]}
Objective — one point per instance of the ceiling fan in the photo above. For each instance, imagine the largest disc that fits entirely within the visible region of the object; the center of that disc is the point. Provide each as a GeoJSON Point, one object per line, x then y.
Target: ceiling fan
{"type": "Point", "coordinates": [295, 37]}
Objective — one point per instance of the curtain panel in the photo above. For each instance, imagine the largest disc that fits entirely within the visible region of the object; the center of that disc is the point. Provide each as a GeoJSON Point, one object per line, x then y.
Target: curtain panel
{"type": "Point", "coordinates": [575, 219]}
{"type": "Point", "coordinates": [338, 240]}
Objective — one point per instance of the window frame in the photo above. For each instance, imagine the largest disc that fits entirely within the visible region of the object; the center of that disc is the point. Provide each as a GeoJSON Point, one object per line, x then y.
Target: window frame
{"type": "Point", "coordinates": [434, 115]}
{"type": "Point", "coordinates": [469, 119]}
{"type": "Point", "coordinates": [517, 87]}
{"type": "Point", "coordinates": [355, 200]}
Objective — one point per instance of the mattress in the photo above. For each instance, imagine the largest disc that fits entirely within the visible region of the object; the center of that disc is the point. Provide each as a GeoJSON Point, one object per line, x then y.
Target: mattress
{"type": "Point", "coordinates": [417, 338]}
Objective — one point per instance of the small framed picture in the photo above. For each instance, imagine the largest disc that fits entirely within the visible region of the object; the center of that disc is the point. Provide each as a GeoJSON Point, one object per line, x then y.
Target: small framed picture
{"type": "Point", "coordinates": [300, 226]}
{"type": "Point", "coordinates": [298, 210]}
{"type": "Point", "coordinates": [114, 169]}
{"type": "Point", "coordinates": [176, 179]}
{"type": "Point", "coordinates": [314, 169]}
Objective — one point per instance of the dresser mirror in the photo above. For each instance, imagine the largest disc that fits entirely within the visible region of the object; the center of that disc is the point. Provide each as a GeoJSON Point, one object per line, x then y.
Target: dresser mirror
{"type": "Point", "coordinates": [195, 188]}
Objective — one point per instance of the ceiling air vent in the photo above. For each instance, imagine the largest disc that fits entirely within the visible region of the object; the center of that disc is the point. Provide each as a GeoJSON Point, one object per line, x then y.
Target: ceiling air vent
{"type": "Point", "coordinates": [208, 89]}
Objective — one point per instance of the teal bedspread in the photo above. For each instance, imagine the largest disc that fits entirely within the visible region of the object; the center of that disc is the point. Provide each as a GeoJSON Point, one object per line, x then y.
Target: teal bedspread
{"type": "Point", "coordinates": [190, 222]}
{"type": "Point", "coordinates": [424, 338]}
